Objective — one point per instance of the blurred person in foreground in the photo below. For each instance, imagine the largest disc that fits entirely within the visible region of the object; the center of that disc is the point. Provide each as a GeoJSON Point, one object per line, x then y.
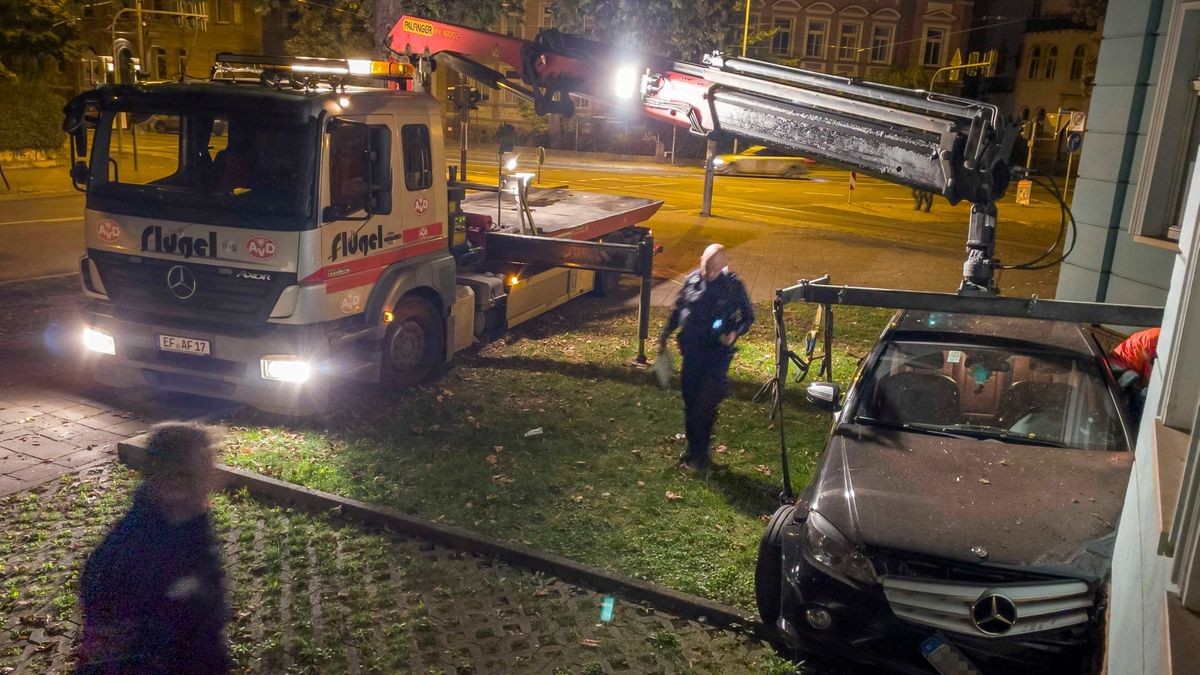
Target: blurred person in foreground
{"type": "Point", "coordinates": [712, 311]}
{"type": "Point", "coordinates": [153, 592]}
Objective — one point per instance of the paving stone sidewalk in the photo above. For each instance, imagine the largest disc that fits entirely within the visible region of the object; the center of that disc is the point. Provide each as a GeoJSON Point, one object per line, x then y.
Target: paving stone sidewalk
{"type": "Point", "coordinates": [53, 418]}
{"type": "Point", "coordinates": [314, 594]}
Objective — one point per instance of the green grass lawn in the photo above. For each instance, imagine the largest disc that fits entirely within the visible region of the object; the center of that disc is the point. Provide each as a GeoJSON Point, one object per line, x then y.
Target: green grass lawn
{"type": "Point", "coordinates": [599, 484]}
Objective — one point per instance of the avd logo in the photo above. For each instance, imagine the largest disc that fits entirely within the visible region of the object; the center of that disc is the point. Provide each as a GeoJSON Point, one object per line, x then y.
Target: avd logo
{"type": "Point", "coordinates": [261, 247]}
{"type": "Point", "coordinates": [108, 230]}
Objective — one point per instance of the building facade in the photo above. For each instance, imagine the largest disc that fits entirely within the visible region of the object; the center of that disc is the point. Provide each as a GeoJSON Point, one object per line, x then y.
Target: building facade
{"type": "Point", "coordinates": [862, 38]}
{"type": "Point", "coordinates": [1137, 206]}
{"type": "Point", "coordinates": [178, 37]}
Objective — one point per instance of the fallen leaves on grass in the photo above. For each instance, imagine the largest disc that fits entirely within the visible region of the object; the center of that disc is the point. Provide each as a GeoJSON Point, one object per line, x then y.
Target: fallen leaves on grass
{"type": "Point", "coordinates": [673, 496]}
{"type": "Point", "coordinates": [590, 643]}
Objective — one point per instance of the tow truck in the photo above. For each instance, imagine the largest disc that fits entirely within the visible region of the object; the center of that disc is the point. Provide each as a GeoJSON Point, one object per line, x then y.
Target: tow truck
{"type": "Point", "coordinates": [318, 238]}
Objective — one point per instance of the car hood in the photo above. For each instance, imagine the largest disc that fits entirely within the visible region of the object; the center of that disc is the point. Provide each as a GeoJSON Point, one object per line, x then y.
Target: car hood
{"type": "Point", "coordinates": [1053, 509]}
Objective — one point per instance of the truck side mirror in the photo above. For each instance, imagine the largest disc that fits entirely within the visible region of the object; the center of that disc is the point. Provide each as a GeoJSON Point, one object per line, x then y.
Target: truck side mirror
{"type": "Point", "coordinates": [824, 396]}
{"type": "Point", "coordinates": [79, 176]}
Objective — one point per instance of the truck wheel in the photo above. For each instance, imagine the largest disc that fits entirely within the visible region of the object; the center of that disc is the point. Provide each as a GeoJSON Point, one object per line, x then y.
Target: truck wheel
{"type": "Point", "coordinates": [414, 346]}
{"type": "Point", "coordinates": [795, 171]}
{"type": "Point", "coordinates": [159, 127]}
{"type": "Point", "coordinates": [768, 573]}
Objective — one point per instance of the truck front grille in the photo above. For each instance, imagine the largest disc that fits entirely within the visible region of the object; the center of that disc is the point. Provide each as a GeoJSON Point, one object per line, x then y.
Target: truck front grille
{"type": "Point", "coordinates": [991, 611]}
{"type": "Point", "coordinates": [141, 284]}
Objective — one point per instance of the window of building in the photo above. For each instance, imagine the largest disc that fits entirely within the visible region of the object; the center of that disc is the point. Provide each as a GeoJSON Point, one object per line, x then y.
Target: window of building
{"type": "Point", "coordinates": [547, 18]}
{"type": "Point", "coordinates": [1051, 62]}
{"type": "Point", "coordinates": [1035, 62]}
{"type": "Point", "coordinates": [1077, 62]}
{"type": "Point", "coordinates": [510, 24]}
{"type": "Point", "coordinates": [1173, 137]}
{"type": "Point", "coordinates": [814, 38]}
{"type": "Point", "coordinates": [934, 51]}
{"type": "Point", "coordinates": [882, 38]}
{"type": "Point", "coordinates": [182, 63]}
{"type": "Point", "coordinates": [160, 63]}
{"type": "Point", "coordinates": [848, 39]}
{"type": "Point", "coordinates": [781, 41]}
{"type": "Point", "coordinates": [224, 11]}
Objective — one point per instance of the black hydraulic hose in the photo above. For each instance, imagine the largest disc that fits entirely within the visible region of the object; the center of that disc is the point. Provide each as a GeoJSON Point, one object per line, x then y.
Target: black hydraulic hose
{"type": "Point", "coordinates": [774, 389]}
{"type": "Point", "coordinates": [1065, 217]}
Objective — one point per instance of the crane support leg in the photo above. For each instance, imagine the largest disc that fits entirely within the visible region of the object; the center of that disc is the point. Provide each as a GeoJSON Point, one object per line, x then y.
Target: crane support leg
{"type": "Point", "coordinates": [979, 268]}
{"type": "Point", "coordinates": [633, 259]}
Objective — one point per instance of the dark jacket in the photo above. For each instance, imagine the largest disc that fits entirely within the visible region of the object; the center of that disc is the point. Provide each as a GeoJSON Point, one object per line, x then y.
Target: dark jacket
{"type": "Point", "coordinates": [153, 597]}
{"type": "Point", "coordinates": [704, 311]}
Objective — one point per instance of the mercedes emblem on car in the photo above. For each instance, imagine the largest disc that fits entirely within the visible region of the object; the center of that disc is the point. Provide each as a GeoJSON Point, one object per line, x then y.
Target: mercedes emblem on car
{"type": "Point", "coordinates": [994, 614]}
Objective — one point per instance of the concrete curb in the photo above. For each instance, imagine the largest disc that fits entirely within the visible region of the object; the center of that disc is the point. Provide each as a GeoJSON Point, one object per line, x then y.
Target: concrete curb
{"type": "Point", "coordinates": [132, 453]}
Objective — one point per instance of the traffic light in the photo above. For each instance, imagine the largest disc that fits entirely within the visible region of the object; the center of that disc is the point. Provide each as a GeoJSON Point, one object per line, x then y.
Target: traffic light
{"type": "Point", "coordinates": [465, 97]}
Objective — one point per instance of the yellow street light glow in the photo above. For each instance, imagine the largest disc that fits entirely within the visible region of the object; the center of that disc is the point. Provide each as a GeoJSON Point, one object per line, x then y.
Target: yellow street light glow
{"type": "Point", "coordinates": [511, 164]}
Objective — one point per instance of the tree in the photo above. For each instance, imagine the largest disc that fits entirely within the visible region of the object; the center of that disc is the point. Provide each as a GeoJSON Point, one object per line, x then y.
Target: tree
{"type": "Point", "coordinates": [909, 77]}
{"type": "Point", "coordinates": [677, 28]}
{"type": "Point", "coordinates": [33, 29]}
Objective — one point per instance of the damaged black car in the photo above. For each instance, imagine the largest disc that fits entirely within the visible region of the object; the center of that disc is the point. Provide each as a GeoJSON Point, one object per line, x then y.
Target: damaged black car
{"type": "Point", "coordinates": [965, 505]}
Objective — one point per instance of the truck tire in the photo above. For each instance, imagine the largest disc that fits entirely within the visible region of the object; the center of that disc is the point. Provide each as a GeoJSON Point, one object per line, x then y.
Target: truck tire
{"type": "Point", "coordinates": [160, 127]}
{"type": "Point", "coordinates": [768, 572]}
{"type": "Point", "coordinates": [414, 345]}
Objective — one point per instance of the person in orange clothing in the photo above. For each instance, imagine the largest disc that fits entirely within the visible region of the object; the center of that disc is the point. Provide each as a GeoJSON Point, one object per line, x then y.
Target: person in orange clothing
{"type": "Point", "coordinates": [1132, 362]}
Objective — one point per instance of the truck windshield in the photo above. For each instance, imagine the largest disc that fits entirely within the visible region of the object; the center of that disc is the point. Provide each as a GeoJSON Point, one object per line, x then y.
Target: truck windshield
{"type": "Point", "coordinates": [232, 170]}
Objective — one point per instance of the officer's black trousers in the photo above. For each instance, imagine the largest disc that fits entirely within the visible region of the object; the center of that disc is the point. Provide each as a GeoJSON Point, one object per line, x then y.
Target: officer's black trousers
{"type": "Point", "coordinates": [704, 385]}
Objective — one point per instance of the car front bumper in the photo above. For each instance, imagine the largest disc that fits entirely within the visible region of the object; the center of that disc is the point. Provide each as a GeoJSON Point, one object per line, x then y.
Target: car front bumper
{"type": "Point", "coordinates": [864, 629]}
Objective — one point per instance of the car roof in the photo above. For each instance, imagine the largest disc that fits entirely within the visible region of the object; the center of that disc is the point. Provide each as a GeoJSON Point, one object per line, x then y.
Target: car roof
{"type": "Point", "coordinates": [1059, 335]}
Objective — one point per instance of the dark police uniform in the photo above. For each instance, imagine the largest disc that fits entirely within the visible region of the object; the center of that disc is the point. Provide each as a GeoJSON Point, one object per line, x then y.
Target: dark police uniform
{"type": "Point", "coordinates": [704, 311]}
{"type": "Point", "coordinates": [153, 598]}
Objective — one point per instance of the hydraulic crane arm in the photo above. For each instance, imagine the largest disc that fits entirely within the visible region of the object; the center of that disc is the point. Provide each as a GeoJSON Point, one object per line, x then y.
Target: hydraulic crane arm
{"type": "Point", "coordinates": [954, 147]}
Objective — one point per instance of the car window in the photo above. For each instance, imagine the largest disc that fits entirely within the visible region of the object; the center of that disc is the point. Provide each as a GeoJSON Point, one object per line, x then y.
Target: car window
{"type": "Point", "coordinates": [992, 392]}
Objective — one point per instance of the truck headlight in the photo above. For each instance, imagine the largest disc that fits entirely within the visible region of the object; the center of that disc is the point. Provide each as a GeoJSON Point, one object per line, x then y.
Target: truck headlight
{"type": "Point", "coordinates": [99, 341]}
{"type": "Point", "coordinates": [286, 369]}
{"type": "Point", "coordinates": [825, 547]}
{"type": "Point", "coordinates": [717, 161]}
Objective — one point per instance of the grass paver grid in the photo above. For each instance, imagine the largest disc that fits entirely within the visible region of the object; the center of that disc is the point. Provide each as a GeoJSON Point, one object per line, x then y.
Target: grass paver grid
{"type": "Point", "coordinates": [314, 594]}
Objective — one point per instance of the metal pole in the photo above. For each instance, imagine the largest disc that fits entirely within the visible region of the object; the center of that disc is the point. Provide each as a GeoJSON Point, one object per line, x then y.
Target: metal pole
{"type": "Point", "coordinates": [462, 145]}
{"type": "Point", "coordinates": [673, 130]}
{"type": "Point", "coordinates": [646, 261]}
{"type": "Point", "coordinates": [499, 184]}
{"type": "Point", "coordinates": [709, 155]}
{"type": "Point", "coordinates": [1067, 180]}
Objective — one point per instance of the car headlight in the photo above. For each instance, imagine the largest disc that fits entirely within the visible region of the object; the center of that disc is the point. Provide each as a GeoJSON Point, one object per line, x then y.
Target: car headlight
{"type": "Point", "coordinates": [717, 161]}
{"type": "Point", "coordinates": [825, 547]}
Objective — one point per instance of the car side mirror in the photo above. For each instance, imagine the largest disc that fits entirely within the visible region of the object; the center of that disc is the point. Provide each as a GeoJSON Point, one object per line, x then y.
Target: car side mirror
{"type": "Point", "coordinates": [824, 396]}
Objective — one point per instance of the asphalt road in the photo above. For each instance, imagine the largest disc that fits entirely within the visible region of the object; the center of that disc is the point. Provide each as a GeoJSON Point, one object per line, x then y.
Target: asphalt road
{"type": "Point", "coordinates": [40, 236]}
{"type": "Point", "coordinates": [784, 229]}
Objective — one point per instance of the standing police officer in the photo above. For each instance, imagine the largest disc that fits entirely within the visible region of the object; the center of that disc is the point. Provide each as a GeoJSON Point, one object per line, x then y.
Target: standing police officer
{"type": "Point", "coordinates": [713, 311]}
